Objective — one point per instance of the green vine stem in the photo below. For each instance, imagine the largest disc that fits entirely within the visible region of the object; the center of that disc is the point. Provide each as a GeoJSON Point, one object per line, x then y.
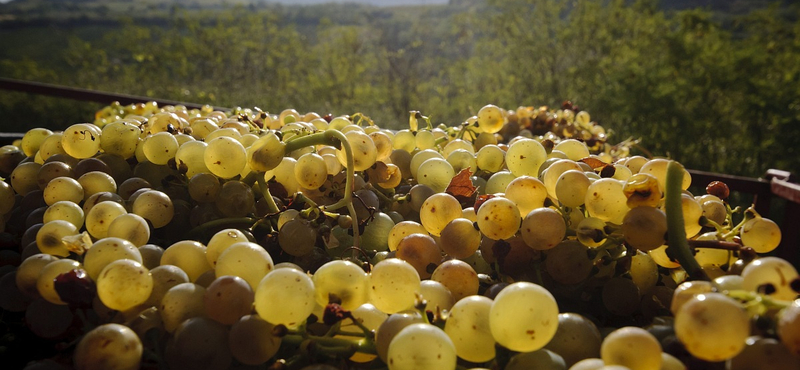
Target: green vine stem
{"type": "Point", "coordinates": [678, 246]}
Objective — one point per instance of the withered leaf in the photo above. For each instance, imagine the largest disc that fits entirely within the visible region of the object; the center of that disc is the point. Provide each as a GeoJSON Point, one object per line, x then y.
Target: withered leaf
{"type": "Point", "coordinates": [461, 185]}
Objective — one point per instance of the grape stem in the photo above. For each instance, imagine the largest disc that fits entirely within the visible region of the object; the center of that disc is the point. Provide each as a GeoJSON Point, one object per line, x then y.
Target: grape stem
{"type": "Point", "coordinates": [678, 246]}
{"type": "Point", "coordinates": [262, 184]}
{"type": "Point", "coordinates": [749, 296]}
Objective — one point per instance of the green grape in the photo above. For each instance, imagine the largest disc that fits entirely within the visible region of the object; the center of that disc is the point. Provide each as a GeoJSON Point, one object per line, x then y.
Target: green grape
{"type": "Point", "coordinates": [364, 151]}
{"type": "Point", "coordinates": [438, 210]}
{"type": "Point", "coordinates": [100, 217]}
{"type": "Point", "coordinates": [593, 364]}
{"type": "Point", "coordinates": [540, 359]}
{"type": "Point", "coordinates": [164, 278]}
{"type": "Point", "coordinates": [436, 295]}
{"type": "Point", "coordinates": [284, 174]}
{"type": "Point", "coordinates": [130, 227]}
{"type": "Point", "coordinates": [788, 327]}
{"type": "Point", "coordinates": [606, 201]}
{"type": "Point", "coordinates": [225, 156]}
{"type": "Point", "coordinates": [51, 146]}
{"type": "Point", "coordinates": [568, 262]}
{"type": "Point", "coordinates": [460, 239]}
{"type": "Point", "coordinates": [425, 140]}
{"type": "Point", "coordinates": [7, 198]}
{"type": "Point", "coordinates": [343, 279]}
{"type": "Point", "coordinates": [104, 196]}
{"type": "Point", "coordinates": [64, 210]}
{"type": "Point", "coordinates": [189, 255]}
{"type": "Point", "coordinates": [182, 302]}
{"type": "Point", "coordinates": [131, 185]}
{"type": "Point", "coordinates": [498, 182]}
{"type": "Point", "coordinates": [165, 121]}
{"type": "Point", "coordinates": [53, 170]}
{"type": "Point", "coordinates": [632, 347]}
{"type": "Point", "coordinates": [204, 187]}
{"type": "Point", "coordinates": [124, 284]}
{"type": "Point", "coordinates": [154, 206]}
{"type": "Point", "coordinates": [462, 159]}
{"type": "Point", "coordinates": [576, 338]}
{"type": "Point", "coordinates": [771, 276]}
{"type": "Point", "coordinates": [28, 273]}
{"type": "Point", "coordinates": [151, 255]}
{"type": "Point", "coordinates": [160, 147]}
{"type": "Point", "coordinates": [421, 251]}
{"type": "Point", "coordinates": [45, 284]}
{"type": "Point", "coordinates": [490, 158]}
{"type": "Point", "coordinates": [468, 327]}
{"type": "Point", "coordinates": [383, 144]}
{"type": "Point", "coordinates": [457, 144]}
{"type": "Point", "coordinates": [728, 283]}
{"type": "Point", "coordinates": [246, 260]}
{"type": "Point", "coordinates": [645, 228]}
{"type": "Point", "coordinates": [714, 210]}
{"type": "Point", "coordinates": [761, 234]}
{"type": "Point", "coordinates": [393, 285]}
{"type": "Point", "coordinates": [692, 211]}
{"type": "Point", "coordinates": [295, 292]}
{"type": "Point", "coordinates": [228, 299]}
{"type": "Point", "coordinates": [523, 317]}
{"type": "Point", "coordinates": [712, 326]}
{"type": "Point", "coordinates": [389, 328]}
{"type": "Point", "coordinates": [376, 235]}
{"type": "Point", "coordinates": [644, 272]}
{"type": "Point", "coordinates": [96, 182]}
{"type": "Point", "coordinates": [527, 192]}
{"type": "Point", "coordinates": [33, 139]}
{"type": "Point", "coordinates": [50, 236]}
{"type": "Point", "coordinates": [202, 127]}
{"type": "Point", "coordinates": [332, 164]}
{"type": "Point", "coordinates": [491, 118]}
{"type": "Point", "coordinates": [235, 199]}
{"type": "Point", "coordinates": [81, 140]}
{"type": "Point", "coordinates": [404, 140]}
{"type": "Point", "coordinates": [574, 149]}
{"type": "Point", "coordinates": [297, 237]}
{"type": "Point", "coordinates": [266, 152]}
{"type": "Point", "coordinates": [419, 193]}
{"type": "Point", "coordinates": [190, 157]}
{"type": "Point", "coordinates": [310, 171]}
{"type": "Point", "coordinates": [458, 277]}
{"type": "Point", "coordinates": [251, 340]}
{"type": "Point", "coordinates": [419, 347]}
{"type": "Point", "coordinates": [498, 218]}
{"type": "Point", "coordinates": [401, 230]}
{"type": "Point", "coordinates": [109, 346]}
{"type": "Point", "coordinates": [221, 241]}
{"type": "Point", "coordinates": [24, 177]}
{"type": "Point", "coordinates": [642, 189]}
{"type": "Point", "coordinates": [686, 291]}
{"type": "Point", "coordinates": [658, 169]}
{"type": "Point", "coordinates": [199, 343]}
{"type": "Point", "coordinates": [660, 257]}
{"type": "Point", "coordinates": [421, 157]}
{"type": "Point", "coordinates": [525, 157]}
{"type": "Point", "coordinates": [543, 228]}
{"type": "Point", "coordinates": [763, 353]}
{"type": "Point", "coordinates": [436, 173]}
{"type": "Point", "coordinates": [120, 138]}
{"type": "Point", "coordinates": [553, 173]}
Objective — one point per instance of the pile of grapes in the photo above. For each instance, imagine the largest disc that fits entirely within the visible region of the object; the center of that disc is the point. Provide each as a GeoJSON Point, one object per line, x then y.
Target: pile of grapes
{"type": "Point", "coordinates": [167, 238]}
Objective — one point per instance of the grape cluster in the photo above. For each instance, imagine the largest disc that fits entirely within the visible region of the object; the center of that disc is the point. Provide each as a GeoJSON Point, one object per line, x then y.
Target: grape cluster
{"type": "Point", "coordinates": [161, 237]}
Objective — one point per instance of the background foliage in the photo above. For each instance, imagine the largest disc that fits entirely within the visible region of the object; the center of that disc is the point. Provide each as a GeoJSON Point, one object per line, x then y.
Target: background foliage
{"type": "Point", "coordinates": [716, 88]}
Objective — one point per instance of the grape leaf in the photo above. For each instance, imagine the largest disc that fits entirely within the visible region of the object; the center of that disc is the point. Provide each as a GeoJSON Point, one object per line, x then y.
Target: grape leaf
{"type": "Point", "coordinates": [461, 185]}
{"type": "Point", "coordinates": [594, 163]}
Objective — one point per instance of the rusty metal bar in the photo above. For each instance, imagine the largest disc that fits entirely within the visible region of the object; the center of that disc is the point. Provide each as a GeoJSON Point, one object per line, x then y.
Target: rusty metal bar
{"type": "Point", "coordinates": [87, 94]}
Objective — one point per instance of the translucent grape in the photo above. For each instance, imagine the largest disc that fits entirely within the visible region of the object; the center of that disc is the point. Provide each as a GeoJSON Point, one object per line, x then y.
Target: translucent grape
{"type": "Point", "coordinates": [221, 241]}
{"type": "Point", "coordinates": [297, 237]}
{"type": "Point", "coordinates": [64, 210]}
{"type": "Point", "coordinates": [576, 338]}
{"type": "Point", "coordinates": [438, 210]}
{"type": "Point", "coordinates": [644, 272]}
{"type": "Point", "coordinates": [772, 276]}
{"type": "Point", "coordinates": [310, 171]}
{"type": "Point", "coordinates": [490, 158]}
{"type": "Point", "coordinates": [527, 192]}
{"type": "Point", "coordinates": [712, 326]}
{"type": "Point", "coordinates": [419, 347]}
{"type": "Point", "coordinates": [420, 157]}
{"type": "Point", "coordinates": [164, 278]}
{"type": "Point", "coordinates": [45, 284]}
{"type": "Point", "coordinates": [468, 328]}
{"type": "Point", "coordinates": [645, 228]}
{"type": "Point", "coordinates": [498, 182]}
{"type": "Point", "coordinates": [33, 139]}
{"type": "Point", "coordinates": [658, 169]}
{"type": "Point", "coordinates": [124, 284]}
{"type": "Point", "coordinates": [523, 317]}
{"type": "Point", "coordinates": [28, 273]}
{"type": "Point", "coordinates": [266, 152]}
{"type": "Point", "coordinates": [364, 151]}
{"type": "Point", "coordinates": [96, 182]}
{"type": "Point", "coordinates": [761, 234]}
{"type": "Point", "coordinates": [246, 260]}
{"type": "Point", "coordinates": [342, 279]}
{"type": "Point", "coordinates": [81, 140]}
{"type": "Point", "coordinates": [606, 201]}
{"type": "Point", "coordinates": [62, 189]}
{"type": "Point", "coordinates": [460, 238]}
{"type": "Point", "coordinates": [524, 157]}
{"type": "Point", "coordinates": [436, 173]}
{"type": "Point", "coordinates": [393, 285]}
{"type": "Point", "coordinates": [160, 147]}
{"type": "Point", "coordinates": [461, 159]}
{"type": "Point", "coordinates": [120, 138]}
{"type": "Point", "coordinates": [182, 302]}
{"type": "Point", "coordinates": [554, 172]}
{"type": "Point", "coordinates": [100, 217]}
{"type": "Point", "coordinates": [154, 206]}
{"type": "Point", "coordinates": [24, 177]}
{"type": "Point", "coordinates": [295, 292]}
{"type": "Point", "coordinates": [225, 157]}
{"type": "Point", "coordinates": [376, 235]}
{"type": "Point", "coordinates": [543, 228]}
{"type": "Point", "coordinates": [491, 118]}
{"type": "Point", "coordinates": [109, 346]}
{"type": "Point", "coordinates": [788, 327]}
{"type": "Point", "coordinates": [632, 347]}
{"type": "Point", "coordinates": [458, 277]}
{"type": "Point", "coordinates": [130, 227]}
{"type": "Point", "coordinates": [190, 157]}
{"type": "Point", "coordinates": [436, 295]}
{"type": "Point", "coordinates": [574, 149]}
{"type": "Point", "coordinates": [189, 255]}
{"type": "Point", "coordinates": [401, 230]}
{"type": "Point", "coordinates": [498, 218]}
{"type": "Point", "coordinates": [50, 235]}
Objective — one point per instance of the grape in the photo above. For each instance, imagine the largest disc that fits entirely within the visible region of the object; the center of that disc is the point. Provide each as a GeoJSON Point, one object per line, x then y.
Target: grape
{"type": "Point", "coordinates": [468, 327]}
{"type": "Point", "coordinates": [574, 149]}
{"type": "Point", "coordinates": [788, 327]}
{"type": "Point", "coordinates": [310, 171]}
{"type": "Point", "coordinates": [491, 119]}
{"type": "Point", "coordinates": [24, 177]}
{"type": "Point", "coordinates": [99, 218]}
{"type": "Point", "coordinates": [120, 138]}
{"type": "Point", "coordinates": [204, 187]}
{"type": "Point", "coordinates": [221, 241]}
{"type": "Point", "coordinates": [606, 201]}
{"type": "Point", "coordinates": [692, 211]}
{"type": "Point", "coordinates": [124, 284]}
{"type": "Point", "coordinates": [575, 339]}
{"type": "Point", "coordinates": [729, 282]}
{"type": "Point", "coordinates": [543, 228]}
{"type": "Point", "coordinates": [189, 255]}
{"type": "Point", "coordinates": [107, 250]}
{"type": "Point", "coordinates": [7, 197]}
{"type": "Point", "coordinates": [66, 211]}
{"type": "Point", "coordinates": [539, 359]}
{"type": "Point", "coordinates": [523, 317]}
{"type": "Point", "coordinates": [49, 237]}
{"type": "Point", "coordinates": [160, 147]}
{"type": "Point", "coordinates": [190, 158]}
{"type": "Point", "coordinates": [53, 170]}
{"type": "Point", "coordinates": [182, 302]}
{"type": "Point", "coordinates": [342, 279]}
{"type": "Point", "coordinates": [772, 276]}
{"type": "Point", "coordinates": [225, 157]}
{"type": "Point", "coordinates": [297, 237]}
{"type": "Point", "coordinates": [33, 139]}
{"type": "Point", "coordinates": [658, 169]}
{"type": "Point", "coordinates": [438, 210]}
{"type": "Point", "coordinates": [458, 277]}
{"type": "Point", "coordinates": [715, 210]}
{"type": "Point", "coordinates": [130, 227]}
{"type": "Point", "coordinates": [284, 175]}
{"type": "Point", "coordinates": [461, 159]}
{"type": "Point", "coordinates": [568, 262]}
{"type": "Point", "coordinates": [712, 326]}
{"type": "Point", "coordinates": [251, 340]}
{"type": "Point", "coordinates": [524, 157]}
{"type": "Point", "coordinates": [199, 343]}
{"type": "Point", "coordinates": [109, 347]}
{"type": "Point", "coordinates": [165, 121]}
{"type": "Point", "coordinates": [498, 182]}
{"type": "Point", "coordinates": [371, 318]}
{"type": "Point", "coordinates": [266, 152]}
{"type": "Point", "coordinates": [436, 173]}
{"type": "Point", "coordinates": [404, 140]}
{"type": "Point", "coordinates": [393, 285]}
{"type": "Point", "coordinates": [436, 295]}
{"type": "Point", "coordinates": [228, 298]}
{"type": "Point", "coordinates": [295, 292]}
{"type": "Point", "coordinates": [686, 291]}
{"type": "Point", "coordinates": [81, 140]}
{"type": "Point", "coordinates": [421, 251]}
{"type": "Point", "coordinates": [28, 273]}
{"type": "Point", "coordinates": [376, 235]}
{"type": "Point", "coordinates": [498, 218]}
{"type": "Point", "coordinates": [632, 347]}
{"type": "Point", "coordinates": [44, 283]}
{"type": "Point", "coordinates": [51, 146]}
{"type": "Point", "coordinates": [383, 144]}
{"type": "Point", "coordinates": [490, 158]}
{"type": "Point", "coordinates": [151, 255]}
{"type": "Point", "coordinates": [644, 272]}
{"type": "Point", "coordinates": [164, 278]}
{"type": "Point", "coordinates": [421, 157]}
{"type": "Point", "coordinates": [246, 260]}
{"type": "Point", "coordinates": [645, 228]}
{"type": "Point", "coordinates": [389, 329]}
{"type": "Point", "coordinates": [420, 193]}
{"type": "Point", "coordinates": [421, 346]}
{"type": "Point", "coordinates": [660, 257]}
{"type": "Point", "coordinates": [763, 353]}
{"type": "Point", "coordinates": [593, 364]}
{"type": "Point", "coordinates": [154, 206]}
{"type": "Point", "coordinates": [401, 230]}
{"type": "Point", "coordinates": [460, 239]}
{"type": "Point", "coordinates": [761, 234]}
{"type": "Point", "coordinates": [553, 173]}
{"type": "Point", "coordinates": [364, 151]}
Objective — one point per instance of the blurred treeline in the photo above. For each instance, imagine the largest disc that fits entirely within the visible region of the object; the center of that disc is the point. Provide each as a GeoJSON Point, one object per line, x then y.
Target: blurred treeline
{"type": "Point", "coordinates": [718, 94]}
